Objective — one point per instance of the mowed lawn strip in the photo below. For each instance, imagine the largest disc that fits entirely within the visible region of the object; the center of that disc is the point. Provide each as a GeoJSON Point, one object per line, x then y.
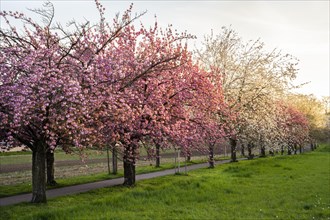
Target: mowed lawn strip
{"type": "Point", "coordinates": [287, 187]}
{"type": "Point", "coordinates": [25, 157]}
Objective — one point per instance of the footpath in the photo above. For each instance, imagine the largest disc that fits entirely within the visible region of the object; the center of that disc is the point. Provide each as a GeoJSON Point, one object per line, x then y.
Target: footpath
{"type": "Point", "coordinates": [70, 190]}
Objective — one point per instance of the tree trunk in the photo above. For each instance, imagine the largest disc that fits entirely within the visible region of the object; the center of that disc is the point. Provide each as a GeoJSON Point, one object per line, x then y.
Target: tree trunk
{"type": "Point", "coordinates": [250, 156]}
{"type": "Point", "coordinates": [262, 151]}
{"type": "Point", "coordinates": [282, 150]}
{"type": "Point", "coordinates": [108, 160]}
{"type": "Point", "coordinates": [289, 150]}
{"type": "Point", "coordinates": [295, 149]}
{"type": "Point", "coordinates": [300, 149]}
{"type": "Point", "coordinates": [129, 165]}
{"type": "Point", "coordinates": [114, 161]}
{"type": "Point", "coordinates": [157, 155]}
{"type": "Point", "coordinates": [39, 173]}
{"type": "Point", "coordinates": [129, 173]}
{"type": "Point", "coordinates": [233, 143]}
{"type": "Point", "coordinates": [243, 150]}
{"type": "Point", "coordinates": [50, 168]}
{"type": "Point", "coordinates": [211, 157]}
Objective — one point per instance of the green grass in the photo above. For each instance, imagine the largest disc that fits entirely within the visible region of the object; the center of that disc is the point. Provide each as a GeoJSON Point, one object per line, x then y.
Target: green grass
{"type": "Point", "coordinates": [4, 154]}
{"type": "Point", "coordinates": [10, 190]}
{"type": "Point", "coordinates": [26, 156]}
{"type": "Point", "coordinates": [284, 187]}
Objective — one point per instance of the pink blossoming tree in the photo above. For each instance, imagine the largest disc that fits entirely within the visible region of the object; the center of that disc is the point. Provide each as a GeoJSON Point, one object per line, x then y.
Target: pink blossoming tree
{"type": "Point", "coordinates": [102, 84]}
{"type": "Point", "coordinates": [47, 86]}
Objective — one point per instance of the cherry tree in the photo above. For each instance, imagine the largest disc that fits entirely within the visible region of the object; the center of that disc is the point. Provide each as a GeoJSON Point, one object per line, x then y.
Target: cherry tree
{"type": "Point", "coordinates": [141, 85]}
{"type": "Point", "coordinates": [249, 74]}
{"type": "Point", "coordinates": [48, 96]}
{"type": "Point", "coordinates": [156, 95]}
{"type": "Point", "coordinates": [315, 111]}
{"type": "Point", "coordinates": [259, 129]}
{"type": "Point", "coordinates": [294, 126]}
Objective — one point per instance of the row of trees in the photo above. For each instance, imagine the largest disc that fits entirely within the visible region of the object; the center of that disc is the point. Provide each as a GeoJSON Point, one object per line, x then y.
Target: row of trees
{"type": "Point", "coordinates": [121, 86]}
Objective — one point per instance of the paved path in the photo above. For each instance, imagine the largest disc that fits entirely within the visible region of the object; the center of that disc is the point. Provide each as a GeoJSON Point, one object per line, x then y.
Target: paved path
{"type": "Point", "coordinates": [52, 193]}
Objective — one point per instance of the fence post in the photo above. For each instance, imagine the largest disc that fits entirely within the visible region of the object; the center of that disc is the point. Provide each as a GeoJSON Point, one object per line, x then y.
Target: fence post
{"type": "Point", "coordinates": [108, 157]}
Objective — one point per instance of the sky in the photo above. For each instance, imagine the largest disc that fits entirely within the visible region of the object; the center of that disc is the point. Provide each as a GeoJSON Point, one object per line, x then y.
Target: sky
{"type": "Point", "coordinates": [299, 28]}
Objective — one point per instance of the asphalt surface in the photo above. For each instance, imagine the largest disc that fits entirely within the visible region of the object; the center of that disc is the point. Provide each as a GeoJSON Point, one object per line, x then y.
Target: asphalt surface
{"type": "Point", "coordinates": [53, 193]}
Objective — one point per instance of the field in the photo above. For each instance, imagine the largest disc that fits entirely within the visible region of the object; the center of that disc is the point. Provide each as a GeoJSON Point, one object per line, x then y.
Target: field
{"type": "Point", "coordinates": [70, 170]}
{"type": "Point", "coordinates": [281, 187]}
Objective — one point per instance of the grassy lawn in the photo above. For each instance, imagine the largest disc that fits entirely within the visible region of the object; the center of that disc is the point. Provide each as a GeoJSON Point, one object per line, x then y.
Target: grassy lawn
{"type": "Point", "coordinates": [288, 187]}
{"type": "Point", "coordinates": [9, 190]}
{"type": "Point", "coordinates": [26, 157]}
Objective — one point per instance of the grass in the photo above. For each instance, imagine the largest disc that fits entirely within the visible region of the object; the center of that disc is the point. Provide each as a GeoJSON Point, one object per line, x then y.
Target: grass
{"type": "Point", "coordinates": [10, 190]}
{"type": "Point", "coordinates": [25, 157]}
{"type": "Point", "coordinates": [4, 154]}
{"type": "Point", "coordinates": [284, 187]}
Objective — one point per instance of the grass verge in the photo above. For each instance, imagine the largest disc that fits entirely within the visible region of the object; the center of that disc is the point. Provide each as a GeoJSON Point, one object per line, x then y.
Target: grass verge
{"type": "Point", "coordinates": [284, 187]}
{"type": "Point", "coordinates": [10, 190]}
{"type": "Point", "coordinates": [25, 157]}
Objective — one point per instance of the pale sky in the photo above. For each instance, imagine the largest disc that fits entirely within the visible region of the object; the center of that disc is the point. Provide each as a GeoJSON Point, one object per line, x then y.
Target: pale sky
{"type": "Point", "coordinates": [300, 28]}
